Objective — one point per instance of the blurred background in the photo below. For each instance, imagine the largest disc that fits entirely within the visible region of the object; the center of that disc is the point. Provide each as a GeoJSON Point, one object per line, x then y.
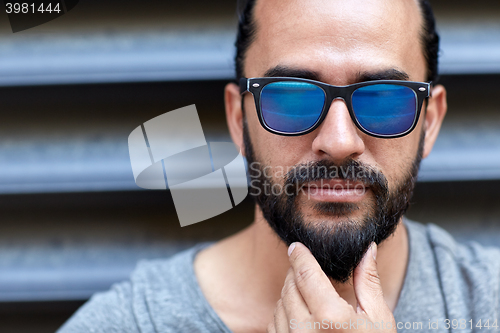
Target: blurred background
{"type": "Point", "coordinates": [72, 220]}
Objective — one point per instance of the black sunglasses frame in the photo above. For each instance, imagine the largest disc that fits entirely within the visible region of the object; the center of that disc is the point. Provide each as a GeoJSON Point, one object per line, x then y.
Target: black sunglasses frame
{"type": "Point", "coordinates": [255, 86]}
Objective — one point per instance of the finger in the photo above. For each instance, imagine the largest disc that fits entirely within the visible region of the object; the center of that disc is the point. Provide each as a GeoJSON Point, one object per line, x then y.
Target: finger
{"type": "Point", "coordinates": [280, 319]}
{"type": "Point", "coordinates": [295, 306]}
{"type": "Point", "coordinates": [313, 284]}
{"type": "Point", "coordinates": [271, 328]}
{"type": "Point", "coordinates": [367, 286]}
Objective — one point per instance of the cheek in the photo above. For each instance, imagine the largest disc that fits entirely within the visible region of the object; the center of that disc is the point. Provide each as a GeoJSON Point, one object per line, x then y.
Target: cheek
{"type": "Point", "coordinates": [395, 157]}
{"type": "Point", "coordinates": [280, 152]}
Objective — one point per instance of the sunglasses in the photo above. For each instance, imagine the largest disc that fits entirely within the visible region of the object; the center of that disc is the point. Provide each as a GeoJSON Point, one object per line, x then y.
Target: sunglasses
{"type": "Point", "coordinates": [293, 106]}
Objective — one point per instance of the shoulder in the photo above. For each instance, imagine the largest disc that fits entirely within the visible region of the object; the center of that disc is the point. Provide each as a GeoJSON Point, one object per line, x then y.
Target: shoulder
{"type": "Point", "coordinates": [470, 257]}
{"type": "Point", "coordinates": [447, 249]}
{"type": "Point", "coordinates": [158, 294]}
{"type": "Point", "coordinates": [469, 273]}
{"type": "Point", "coordinates": [109, 311]}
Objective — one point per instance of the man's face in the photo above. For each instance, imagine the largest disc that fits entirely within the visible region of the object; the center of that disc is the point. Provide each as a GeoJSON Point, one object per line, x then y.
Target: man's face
{"type": "Point", "coordinates": [337, 215]}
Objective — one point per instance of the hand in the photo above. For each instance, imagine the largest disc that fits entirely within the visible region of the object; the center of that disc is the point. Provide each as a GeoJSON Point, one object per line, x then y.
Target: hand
{"type": "Point", "coordinates": [308, 298]}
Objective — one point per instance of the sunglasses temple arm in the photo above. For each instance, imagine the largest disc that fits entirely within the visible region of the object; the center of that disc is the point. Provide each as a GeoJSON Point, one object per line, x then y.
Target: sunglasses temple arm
{"type": "Point", "coordinates": [243, 85]}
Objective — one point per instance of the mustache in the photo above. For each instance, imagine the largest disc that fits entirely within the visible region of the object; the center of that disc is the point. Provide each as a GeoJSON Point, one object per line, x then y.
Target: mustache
{"type": "Point", "coordinates": [349, 170]}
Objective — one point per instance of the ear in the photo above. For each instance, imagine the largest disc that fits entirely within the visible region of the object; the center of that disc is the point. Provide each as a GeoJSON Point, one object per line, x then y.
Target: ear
{"type": "Point", "coordinates": [436, 110]}
{"type": "Point", "coordinates": [234, 114]}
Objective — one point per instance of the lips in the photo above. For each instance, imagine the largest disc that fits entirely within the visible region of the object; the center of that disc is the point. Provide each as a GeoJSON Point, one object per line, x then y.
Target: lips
{"type": "Point", "coordinates": [335, 190]}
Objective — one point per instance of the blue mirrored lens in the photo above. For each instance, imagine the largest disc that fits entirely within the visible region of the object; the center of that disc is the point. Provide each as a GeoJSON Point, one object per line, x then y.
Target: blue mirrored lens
{"type": "Point", "coordinates": [291, 107]}
{"type": "Point", "coordinates": [385, 109]}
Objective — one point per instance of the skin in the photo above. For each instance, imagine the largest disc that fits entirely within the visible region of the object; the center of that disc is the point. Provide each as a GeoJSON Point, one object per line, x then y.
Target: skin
{"type": "Point", "coordinates": [248, 278]}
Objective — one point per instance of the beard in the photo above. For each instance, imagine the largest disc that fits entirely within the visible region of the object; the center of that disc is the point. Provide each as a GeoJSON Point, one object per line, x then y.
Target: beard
{"type": "Point", "coordinates": [337, 246]}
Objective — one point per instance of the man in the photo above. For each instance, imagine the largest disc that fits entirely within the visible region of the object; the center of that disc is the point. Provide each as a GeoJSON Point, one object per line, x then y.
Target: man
{"type": "Point", "coordinates": [334, 121]}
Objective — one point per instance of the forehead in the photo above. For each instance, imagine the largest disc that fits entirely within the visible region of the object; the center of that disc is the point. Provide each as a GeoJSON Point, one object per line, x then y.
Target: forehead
{"type": "Point", "coordinates": [337, 38]}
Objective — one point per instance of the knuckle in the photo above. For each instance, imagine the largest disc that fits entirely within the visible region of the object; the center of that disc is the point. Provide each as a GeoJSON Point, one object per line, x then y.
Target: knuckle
{"type": "Point", "coordinates": [372, 277]}
{"type": "Point", "coordinates": [304, 274]}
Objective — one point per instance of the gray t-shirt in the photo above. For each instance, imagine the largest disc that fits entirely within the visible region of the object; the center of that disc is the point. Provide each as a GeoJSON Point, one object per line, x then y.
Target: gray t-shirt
{"type": "Point", "coordinates": [444, 281]}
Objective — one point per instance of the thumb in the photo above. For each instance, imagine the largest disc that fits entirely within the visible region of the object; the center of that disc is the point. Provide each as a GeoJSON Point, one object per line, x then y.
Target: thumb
{"type": "Point", "coordinates": [367, 285]}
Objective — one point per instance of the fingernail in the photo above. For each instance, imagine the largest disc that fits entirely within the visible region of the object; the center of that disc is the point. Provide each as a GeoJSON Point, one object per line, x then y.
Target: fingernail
{"type": "Point", "coordinates": [374, 251]}
{"type": "Point", "coordinates": [290, 249]}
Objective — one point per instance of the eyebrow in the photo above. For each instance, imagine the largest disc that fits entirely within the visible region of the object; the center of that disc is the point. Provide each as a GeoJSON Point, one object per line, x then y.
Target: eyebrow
{"type": "Point", "coordinates": [284, 71]}
{"type": "Point", "coordinates": [387, 74]}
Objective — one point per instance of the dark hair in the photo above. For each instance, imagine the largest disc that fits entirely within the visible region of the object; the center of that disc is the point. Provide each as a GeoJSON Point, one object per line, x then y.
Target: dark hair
{"type": "Point", "coordinates": [429, 36]}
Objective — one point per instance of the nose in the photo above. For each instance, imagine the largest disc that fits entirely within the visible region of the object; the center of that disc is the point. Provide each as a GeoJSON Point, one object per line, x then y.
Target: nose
{"type": "Point", "coordinates": [338, 138]}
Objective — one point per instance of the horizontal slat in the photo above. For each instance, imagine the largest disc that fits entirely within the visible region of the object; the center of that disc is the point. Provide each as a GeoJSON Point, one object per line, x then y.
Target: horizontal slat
{"type": "Point", "coordinates": [467, 148]}
{"type": "Point", "coordinates": [49, 273]}
{"type": "Point", "coordinates": [103, 165]}
{"type": "Point", "coordinates": [470, 49]}
{"type": "Point", "coordinates": [175, 55]}
{"type": "Point", "coordinates": [112, 58]}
